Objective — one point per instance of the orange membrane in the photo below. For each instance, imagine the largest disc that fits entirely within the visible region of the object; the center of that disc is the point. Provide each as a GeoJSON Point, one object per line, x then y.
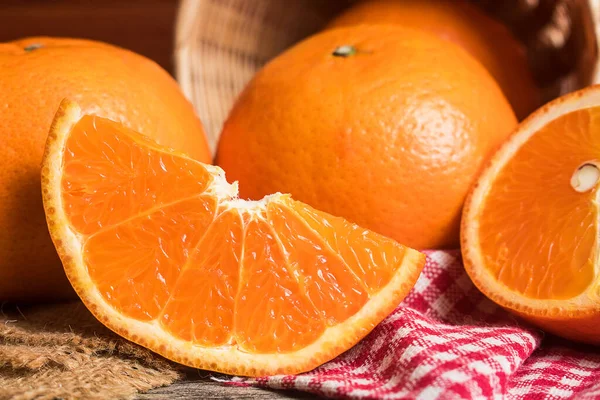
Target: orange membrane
{"type": "Point", "coordinates": [539, 235]}
{"type": "Point", "coordinates": [161, 246]}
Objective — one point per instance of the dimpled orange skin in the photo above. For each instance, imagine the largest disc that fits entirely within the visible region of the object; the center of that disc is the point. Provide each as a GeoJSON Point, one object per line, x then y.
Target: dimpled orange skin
{"type": "Point", "coordinates": [104, 79]}
{"type": "Point", "coordinates": [462, 23]}
{"type": "Point", "coordinates": [390, 138]}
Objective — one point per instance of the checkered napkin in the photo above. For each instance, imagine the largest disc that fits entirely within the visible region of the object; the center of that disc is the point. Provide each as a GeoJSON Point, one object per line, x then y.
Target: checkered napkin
{"type": "Point", "coordinates": [447, 341]}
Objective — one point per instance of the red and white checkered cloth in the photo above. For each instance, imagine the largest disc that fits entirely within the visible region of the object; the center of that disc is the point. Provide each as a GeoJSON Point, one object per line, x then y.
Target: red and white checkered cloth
{"type": "Point", "coordinates": [447, 341]}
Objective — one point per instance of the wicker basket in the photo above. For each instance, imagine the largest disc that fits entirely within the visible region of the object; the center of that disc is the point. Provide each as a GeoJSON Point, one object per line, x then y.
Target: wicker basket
{"type": "Point", "coordinates": [220, 44]}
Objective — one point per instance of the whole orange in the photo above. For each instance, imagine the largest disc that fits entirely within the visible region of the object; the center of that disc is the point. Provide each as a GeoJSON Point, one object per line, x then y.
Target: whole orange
{"type": "Point", "coordinates": [35, 75]}
{"type": "Point", "coordinates": [385, 126]}
{"type": "Point", "coordinates": [463, 23]}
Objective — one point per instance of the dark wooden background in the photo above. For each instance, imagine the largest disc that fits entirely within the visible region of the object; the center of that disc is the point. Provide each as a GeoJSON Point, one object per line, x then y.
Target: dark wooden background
{"type": "Point", "coordinates": [144, 26]}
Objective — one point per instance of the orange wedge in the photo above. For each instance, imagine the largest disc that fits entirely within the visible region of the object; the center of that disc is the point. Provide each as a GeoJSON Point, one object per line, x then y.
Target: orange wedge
{"type": "Point", "coordinates": [163, 252]}
{"type": "Point", "coordinates": [530, 226]}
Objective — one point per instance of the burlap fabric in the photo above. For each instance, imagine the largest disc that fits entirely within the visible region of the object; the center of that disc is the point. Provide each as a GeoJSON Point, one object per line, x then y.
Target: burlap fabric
{"type": "Point", "coordinates": [62, 352]}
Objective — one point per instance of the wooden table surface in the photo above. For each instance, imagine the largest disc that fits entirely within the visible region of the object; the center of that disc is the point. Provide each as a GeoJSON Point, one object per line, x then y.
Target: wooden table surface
{"type": "Point", "coordinates": [146, 27]}
{"type": "Point", "coordinates": [198, 385]}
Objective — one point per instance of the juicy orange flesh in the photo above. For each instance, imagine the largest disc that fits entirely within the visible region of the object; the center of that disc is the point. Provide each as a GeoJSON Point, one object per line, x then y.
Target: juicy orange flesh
{"type": "Point", "coordinates": [537, 234]}
{"type": "Point", "coordinates": [160, 247]}
{"type": "Point", "coordinates": [107, 179]}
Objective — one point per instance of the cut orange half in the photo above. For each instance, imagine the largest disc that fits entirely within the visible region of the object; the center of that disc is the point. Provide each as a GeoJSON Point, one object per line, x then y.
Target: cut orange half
{"type": "Point", "coordinates": [530, 226]}
{"type": "Point", "coordinates": [161, 250]}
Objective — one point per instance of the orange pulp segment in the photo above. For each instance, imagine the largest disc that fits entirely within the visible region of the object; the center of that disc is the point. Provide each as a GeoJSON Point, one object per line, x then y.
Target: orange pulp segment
{"type": "Point", "coordinates": [162, 251]}
{"type": "Point", "coordinates": [530, 226]}
{"type": "Point", "coordinates": [539, 234]}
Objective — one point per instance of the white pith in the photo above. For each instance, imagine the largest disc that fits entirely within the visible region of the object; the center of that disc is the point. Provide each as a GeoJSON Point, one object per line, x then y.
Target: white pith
{"type": "Point", "coordinates": [220, 187]}
{"type": "Point", "coordinates": [228, 195]}
{"type": "Point", "coordinates": [586, 177]}
{"type": "Point", "coordinates": [151, 334]}
{"type": "Point", "coordinates": [588, 300]}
